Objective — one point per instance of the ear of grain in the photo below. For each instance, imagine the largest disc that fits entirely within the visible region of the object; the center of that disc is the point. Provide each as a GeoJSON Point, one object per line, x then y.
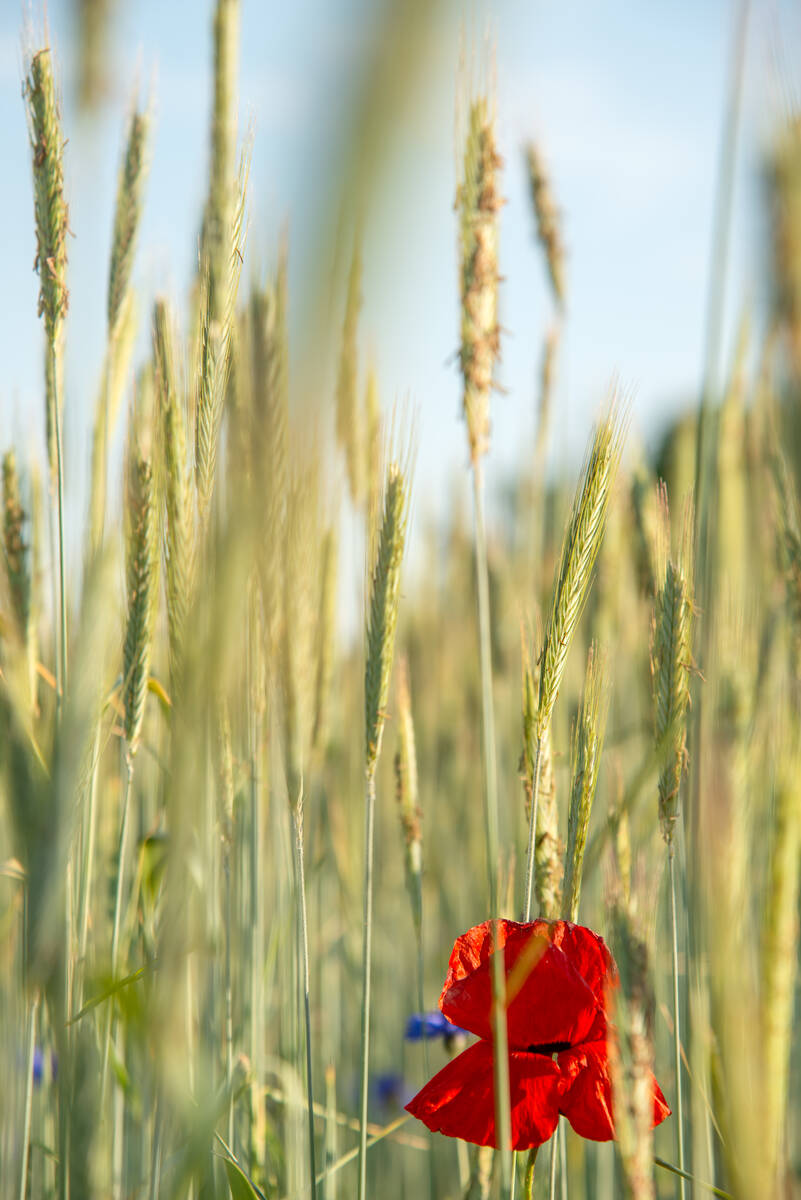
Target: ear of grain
{"type": "Point", "coordinates": [478, 203]}
{"type": "Point", "coordinates": [350, 425]}
{"type": "Point", "coordinates": [218, 305]}
{"type": "Point", "coordinates": [644, 512]}
{"type": "Point", "coordinates": [550, 352]}
{"type": "Point", "coordinates": [47, 144]}
{"type": "Point", "coordinates": [142, 592]}
{"type": "Point", "coordinates": [382, 612]}
{"type": "Point", "coordinates": [671, 666]}
{"type": "Point", "coordinates": [547, 217]}
{"type": "Point", "coordinates": [300, 599]}
{"type": "Point", "coordinates": [179, 515]}
{"type": "Point", "coordinates": [587, 746]}
{"type": "Point", "coordinates": [221, 202]}
{"type": "Point", "coordinates": [107, 407]}
{"type": "Point", "coordinates": [326, 635]}
{"type": "Point", "coordinates": [372, 406]}
{"type": "Point", "coordinates": [128, 211]}
{"type": "Point", "coordinates": [580, 548]}
{"type": "Point", "coordinates": [270, 424]}
{"type": "Point", "coordinates": [17, 551]}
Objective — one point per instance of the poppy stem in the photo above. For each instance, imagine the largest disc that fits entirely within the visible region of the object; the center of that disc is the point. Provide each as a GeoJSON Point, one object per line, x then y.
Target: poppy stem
{"type": "Point", "coordinates": [528, 1185]}
{"type": "Point", "coordinates": [532, 831]}
{"type": "Point", "coordinates": [676, 1018]}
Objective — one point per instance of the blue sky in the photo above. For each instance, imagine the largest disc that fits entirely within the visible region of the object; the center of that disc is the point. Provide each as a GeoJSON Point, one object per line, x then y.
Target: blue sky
{"type": "Point", "coordinates": [626, 101]}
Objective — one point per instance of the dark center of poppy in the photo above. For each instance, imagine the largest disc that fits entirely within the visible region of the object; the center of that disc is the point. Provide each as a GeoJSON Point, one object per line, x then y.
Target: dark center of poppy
{"type": "Point", "coordinates": [548, 1048]}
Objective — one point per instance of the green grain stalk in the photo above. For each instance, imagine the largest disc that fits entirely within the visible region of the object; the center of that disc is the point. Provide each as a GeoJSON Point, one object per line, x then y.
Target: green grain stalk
{"type": "Point", "coordinates": [382, 617]}
{"type": "Point", "coordinates": [587, 747]}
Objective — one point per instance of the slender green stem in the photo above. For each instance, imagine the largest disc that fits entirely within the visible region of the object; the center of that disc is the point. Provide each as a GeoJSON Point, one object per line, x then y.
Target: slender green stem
{"type": "Point", "coordinates": [229, 1006]}
{"type": "Point", "coordinates": [351, 1154]}
{"type": "Point", "coordinates": [499, 1036]}
{"type": "Point", "coordinates": [297, 813]}
{"type": "Point", "coordinates": [708, 1187]}
{"type": "Point", "coordinates": [676, 1019]}
{"type": "Point", "coordinates": [426, 1064]}
{"type": "Point", "coordinates": [532, 833]}
{"type": "Point", "coordinates": [155, 1157]}
{"type": "Point", "coordinates": [115, 931]}
{"type": "Point", "coordinates": [528, 1184]}
{"type": "Point", "coordinates": [554, 1157]}
{"type": "Point", "coordinates": [329, 1183]}
{"type": "Point", "coordinates": [705, 461]}
{"type": "Point", "coordinates": [61, 671]}
{"type": "Point", "coordinates": [26, 1124]}
{"type": "Point", "coordinates": [421, 1000]}
{"type": "Point", "coordinates": [367, 951]}
{"type": "Point", "coordinates": [87, 868]}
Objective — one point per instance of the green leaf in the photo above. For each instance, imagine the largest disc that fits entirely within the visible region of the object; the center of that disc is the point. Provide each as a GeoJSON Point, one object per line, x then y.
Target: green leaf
{"type": "Point", "coordinates": [238, 1182]}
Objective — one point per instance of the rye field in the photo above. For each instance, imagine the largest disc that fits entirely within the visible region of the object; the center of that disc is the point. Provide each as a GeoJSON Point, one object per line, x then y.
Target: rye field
{"type": "Point", "coordinates": [350, 853]}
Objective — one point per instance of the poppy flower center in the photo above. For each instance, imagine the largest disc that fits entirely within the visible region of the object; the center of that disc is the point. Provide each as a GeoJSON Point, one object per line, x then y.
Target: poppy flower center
{"type": "Point", "coordinates": [548, 1048]}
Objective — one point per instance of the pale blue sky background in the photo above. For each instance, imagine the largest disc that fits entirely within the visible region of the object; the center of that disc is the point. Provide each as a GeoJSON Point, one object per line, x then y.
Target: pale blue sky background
{"type": "Point", "coordinates": [626, 100]}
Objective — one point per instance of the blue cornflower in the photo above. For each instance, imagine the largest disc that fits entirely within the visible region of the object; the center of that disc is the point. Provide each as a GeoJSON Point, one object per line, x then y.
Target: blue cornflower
{"type": "Point", "coordinates": [390, 1090]}
{"type": "Point", "coordinates": [431, 1025]}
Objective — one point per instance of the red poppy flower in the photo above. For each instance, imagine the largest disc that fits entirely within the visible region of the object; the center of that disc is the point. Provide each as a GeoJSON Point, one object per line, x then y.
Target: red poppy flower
{"type": "Point", "coordinates": [557, 977]}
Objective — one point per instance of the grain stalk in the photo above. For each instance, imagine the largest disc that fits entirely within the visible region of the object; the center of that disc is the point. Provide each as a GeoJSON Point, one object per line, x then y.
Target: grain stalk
{"type": "Point", "coordinates": [631, 1054]}
{"type": "Point", "coordinates": [350, 428]}
{"type": "Point", "coordinates": [478, 202]}
{"type": "Point", "coordinates": [120, 309]}
{"type": "Point", "coordinates": [142, 598]}
{"type": "Point", "coordinates": [671, 665]}
{"type": "Point", "coordinates": [219, 289]}
{"type": "Point", "coordinates": [326, 631]}
{"type": "Point", "coordinates": [382, 617]}
{"type": "Point", "coordinates": [50, 209]}
{"type": "Point", "coordinates": [547, 218]}
{"type": "Point", "coordinates": [17, 554]}
{"type": "Point", "coordinates": [221, 203]}
{"type": "Point", "coordinates": [587, 746]}
{"type": "Point", "coordinates": [580, 547]}
{"type": "Point", "coordinates": [407, 796]}
{"type": "Point", "coordinates": [179, 506]}
{"type": "Point", "coordinates": [297, 677]}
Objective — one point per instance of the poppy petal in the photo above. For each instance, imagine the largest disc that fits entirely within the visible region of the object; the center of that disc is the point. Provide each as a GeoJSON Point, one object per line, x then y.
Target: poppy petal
{"type": "Point", "coordinates": [548, 1001]}
{"type": "Point", "coordinates": [588, 953]}
{"type": "Point", "coordinates": [473, 948]}
{"type": "Point", "coordinates": [661, 1107]}
{"type": "Point", "coordinates": [587, 1102]}
{"type": "Point", "coordinates": [460, 1100]}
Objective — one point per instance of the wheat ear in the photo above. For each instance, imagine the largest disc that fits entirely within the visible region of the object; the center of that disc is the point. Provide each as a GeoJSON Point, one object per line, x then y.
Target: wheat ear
{"type": "Point", "coordinates": [179, 514]}
{"type": "Point", "coordinates": [382, 618]}
{"type": "Point", "coordinates": [587, 745]}
{"type": "Point", "coordinates": [478, 203]}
